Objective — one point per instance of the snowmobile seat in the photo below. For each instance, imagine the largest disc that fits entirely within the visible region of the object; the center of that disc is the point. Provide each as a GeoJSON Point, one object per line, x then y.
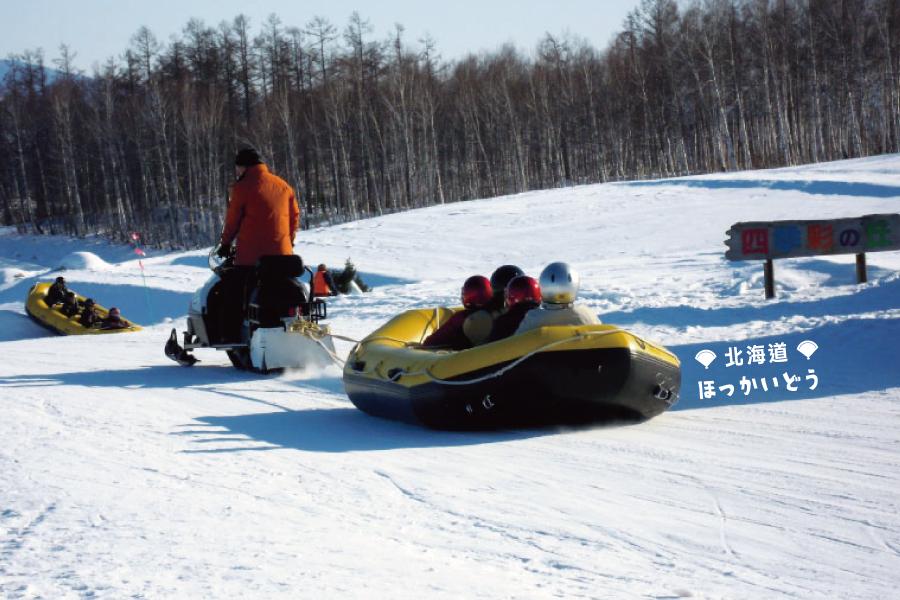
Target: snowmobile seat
{"type": "Point", "coordinates": [278, 293]}
{"type": "Point", "coordinates": [272, 267]}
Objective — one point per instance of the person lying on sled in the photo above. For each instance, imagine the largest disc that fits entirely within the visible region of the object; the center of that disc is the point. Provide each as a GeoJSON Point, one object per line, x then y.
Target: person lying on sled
{"type": "Point", "coordinates": [56, 293]}
{"type": "Point", "coordinates": [559, 289]}
{"type": "Point", "coordinates": [114, 320]}
{"type": "Point", "coordinates": [522, 295]}
{"type": "Point", "coordinates": [69, 305]}
{"type": "Point", "coordinates": [323, 283]}
{"type": "Point", "coordinates": [476, 294]}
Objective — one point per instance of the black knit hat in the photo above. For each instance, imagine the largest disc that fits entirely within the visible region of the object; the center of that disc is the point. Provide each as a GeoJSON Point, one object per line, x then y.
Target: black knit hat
{"type": "Point", "coordinates": [247, 157]}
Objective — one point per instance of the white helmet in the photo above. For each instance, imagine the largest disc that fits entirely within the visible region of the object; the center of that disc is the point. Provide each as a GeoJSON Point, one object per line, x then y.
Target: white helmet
{"type": "Point", "coordinates": [559, 283]}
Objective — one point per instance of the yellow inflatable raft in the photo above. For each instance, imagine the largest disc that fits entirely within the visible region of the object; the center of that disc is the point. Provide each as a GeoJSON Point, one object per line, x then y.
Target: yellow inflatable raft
{"type": "Point", "coordinates": [552, 375]}
{"type": "Point", "coordinates": [54, 320]}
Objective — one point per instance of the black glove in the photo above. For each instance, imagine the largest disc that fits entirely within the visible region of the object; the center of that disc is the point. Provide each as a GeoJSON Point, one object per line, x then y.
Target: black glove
{"type": "Point", "coordinates": [224, 251]}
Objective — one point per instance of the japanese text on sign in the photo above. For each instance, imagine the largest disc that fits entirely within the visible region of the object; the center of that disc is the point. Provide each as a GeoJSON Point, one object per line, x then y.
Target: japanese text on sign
{"type": "Point", "coordinates": [757, 354]}
{"type": "Point", "coordinates": [785, 239]}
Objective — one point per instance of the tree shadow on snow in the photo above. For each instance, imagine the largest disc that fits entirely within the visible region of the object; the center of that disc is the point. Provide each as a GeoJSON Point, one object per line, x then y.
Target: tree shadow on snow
{"type": "Point", "coordinates": [167, 376]}
{"type": "Point", "coordinates": [15, 326]}
{"type": "Point", "coordinates": [380, 279]}
{"type": "Point", "coordinates": [818, 188]}
{"type": "Point", "coordinates": [853, 356]}
{"type": "Point", "coordinates": [144, 306]}
{"type": "Point", "coordinates": [340, 429]}
{"type": "Point", "coordinates": [883, 296]}
{"type": "Point", "coordinates": [201, 262]}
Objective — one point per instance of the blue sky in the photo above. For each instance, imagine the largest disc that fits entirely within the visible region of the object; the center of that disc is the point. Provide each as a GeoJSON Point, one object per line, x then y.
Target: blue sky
{"type": "Point", "coordinates": [98, 29]}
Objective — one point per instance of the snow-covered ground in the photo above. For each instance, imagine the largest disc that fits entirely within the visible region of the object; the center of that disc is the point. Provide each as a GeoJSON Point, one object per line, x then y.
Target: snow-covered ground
{"type": "Point", "coordinates": [124, 475]}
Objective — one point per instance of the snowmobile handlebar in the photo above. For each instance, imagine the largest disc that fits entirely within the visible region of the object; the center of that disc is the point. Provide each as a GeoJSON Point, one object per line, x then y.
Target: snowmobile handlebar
{"type": "Point", "coordinates": [216, 261]}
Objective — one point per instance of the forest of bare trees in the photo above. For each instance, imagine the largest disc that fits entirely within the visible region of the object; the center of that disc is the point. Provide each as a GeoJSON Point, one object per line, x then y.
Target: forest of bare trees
{"type": "Point", "coordinates": [362, 126]}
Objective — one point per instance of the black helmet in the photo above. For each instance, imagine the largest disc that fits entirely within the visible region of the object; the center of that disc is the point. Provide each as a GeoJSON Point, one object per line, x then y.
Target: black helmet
{"type": "Point", "coordinates": [503, 275]}
{"type": "Point", "coordinates": [89, 302]}
{"type": "Point", "coordinates": [247, 157]}
{"type": "Point", "coordinates": [60, 279]}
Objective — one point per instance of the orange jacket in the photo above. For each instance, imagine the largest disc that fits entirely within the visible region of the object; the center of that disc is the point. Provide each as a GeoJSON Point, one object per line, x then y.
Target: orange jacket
{"type": "Point", "coordinates": [320, 284]}
{"type": "Point", "coordinates": [262, 214]}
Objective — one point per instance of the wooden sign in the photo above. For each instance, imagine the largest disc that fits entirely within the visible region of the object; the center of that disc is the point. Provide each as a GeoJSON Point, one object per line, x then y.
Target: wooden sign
{"type": "Point", "coordinates": [791, 239]}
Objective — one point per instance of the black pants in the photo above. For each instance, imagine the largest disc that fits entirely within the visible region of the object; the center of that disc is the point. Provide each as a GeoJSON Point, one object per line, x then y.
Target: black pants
{"type": "Point", "coordinates": [227, 303]}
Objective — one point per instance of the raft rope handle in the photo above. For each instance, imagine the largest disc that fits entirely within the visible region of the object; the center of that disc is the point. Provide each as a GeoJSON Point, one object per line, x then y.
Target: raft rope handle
{"type": "Point", "coordinates": [317, 334]}
{"type": "Point", "coordinates": [433, 319]}
{"type": "Point", "coordinates": [515, 363]}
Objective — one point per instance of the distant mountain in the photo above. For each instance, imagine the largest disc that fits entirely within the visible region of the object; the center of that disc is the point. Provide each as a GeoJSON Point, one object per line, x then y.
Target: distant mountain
{"type": "Point", "coordinates": [7, 65]}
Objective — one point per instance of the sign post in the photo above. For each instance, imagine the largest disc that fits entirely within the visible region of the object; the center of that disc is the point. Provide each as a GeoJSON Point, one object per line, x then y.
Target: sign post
{"type": "Point", "coordinates": [792, 239]}
{"type": "Point", "coordinates": [861, 276]}
{"type": "Point", "coordinates": [770, 279]}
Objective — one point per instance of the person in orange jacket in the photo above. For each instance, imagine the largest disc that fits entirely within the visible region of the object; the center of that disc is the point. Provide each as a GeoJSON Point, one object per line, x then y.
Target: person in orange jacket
{"type": "Point", "coordinates": [323, 283]}
{"type": "Point", "coordinates": [263, 214]}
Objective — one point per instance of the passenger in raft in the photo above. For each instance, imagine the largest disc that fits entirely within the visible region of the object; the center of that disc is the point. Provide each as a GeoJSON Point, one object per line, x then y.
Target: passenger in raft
{"type": "Point", "coordinates": [479, 325]}
{"type": "Point", "coordinates": [89, 316]}
{"type": "Point", "coordinates": [114, 320]}
{"type": "Point", "coordinates": [522, 295]}
{"type": "Point", "coordinates": [69, 306]}
{"type": "Point", "coordinates": [56, 293]}
{"type": "Point", "coordinates": [559, 289]}
{"type": "Point", "coordinates": [476, 294]}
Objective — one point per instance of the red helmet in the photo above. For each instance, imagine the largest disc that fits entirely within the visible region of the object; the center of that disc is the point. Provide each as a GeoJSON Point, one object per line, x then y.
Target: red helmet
{"type": "Point", "coordinates": [523, 289]}
{"type": "Point", "coordinates": [476, 292]}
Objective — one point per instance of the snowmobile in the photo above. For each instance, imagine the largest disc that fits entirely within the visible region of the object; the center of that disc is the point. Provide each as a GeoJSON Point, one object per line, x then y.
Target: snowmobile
{"type": "Point", "coordinates": [263, 317]}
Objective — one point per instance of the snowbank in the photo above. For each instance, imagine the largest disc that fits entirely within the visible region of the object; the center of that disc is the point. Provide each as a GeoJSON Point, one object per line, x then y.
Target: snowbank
{"type": "Point", "coordinates": [84, 261]}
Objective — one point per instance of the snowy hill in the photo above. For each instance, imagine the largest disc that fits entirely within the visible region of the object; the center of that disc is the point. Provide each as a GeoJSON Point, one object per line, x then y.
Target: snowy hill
{"type": "Point", "coordinates": [124, 475]}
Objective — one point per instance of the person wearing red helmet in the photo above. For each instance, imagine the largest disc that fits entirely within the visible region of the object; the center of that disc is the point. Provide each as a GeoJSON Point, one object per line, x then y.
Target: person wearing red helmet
{"type": "Point", "coordinates": [479, 326]}
{"type": "Point", "coordinates": [522, 294]}
{"type": "Point", "coordinates": [476, 294]}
